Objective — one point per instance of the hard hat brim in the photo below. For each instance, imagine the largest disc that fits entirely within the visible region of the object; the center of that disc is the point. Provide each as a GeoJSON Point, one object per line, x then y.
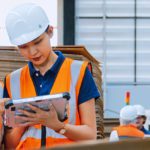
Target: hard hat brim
{"type": "Point", "coordinates": [26, 38]}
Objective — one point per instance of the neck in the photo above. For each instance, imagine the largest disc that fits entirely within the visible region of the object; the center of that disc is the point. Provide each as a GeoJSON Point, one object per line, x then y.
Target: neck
{"type": "Point", "coordinates": [43, 68]}
{"type": "Point", "coordinates": [140, 127]}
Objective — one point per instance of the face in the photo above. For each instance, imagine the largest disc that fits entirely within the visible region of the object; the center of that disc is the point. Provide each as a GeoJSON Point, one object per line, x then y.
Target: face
{"type": "Point", "coordinates": [140, 121]}
{"type": "Point", "coordinates": [37, 51]}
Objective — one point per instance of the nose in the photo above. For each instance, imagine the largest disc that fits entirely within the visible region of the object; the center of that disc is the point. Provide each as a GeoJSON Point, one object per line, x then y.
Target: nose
{"type": "Point", "coordinates": [32, 50]}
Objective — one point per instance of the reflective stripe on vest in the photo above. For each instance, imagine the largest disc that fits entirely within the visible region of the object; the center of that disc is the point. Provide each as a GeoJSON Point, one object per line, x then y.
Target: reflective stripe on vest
{"type": "Point", "coordinates": [75, 70]}
{"type": "Point", "coordinates": [33, 132]}
{"type": "Point", "coordinates": [1, 91]}
{"type": "Point", "coordinates": [36, 133]}
{"type": "Point", "coordinates": [15, 84]}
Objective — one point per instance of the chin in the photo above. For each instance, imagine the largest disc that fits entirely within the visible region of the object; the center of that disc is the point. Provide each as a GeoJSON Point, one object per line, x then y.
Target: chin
{"type": "Point", "coordinates": [37, 63]}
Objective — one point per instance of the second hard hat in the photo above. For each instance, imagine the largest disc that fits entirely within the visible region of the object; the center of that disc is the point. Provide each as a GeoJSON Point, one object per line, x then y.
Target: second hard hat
{"type": "Point", "coordinates": [128, 113]}
{"type": "Point", "coordinates": [25, 23]}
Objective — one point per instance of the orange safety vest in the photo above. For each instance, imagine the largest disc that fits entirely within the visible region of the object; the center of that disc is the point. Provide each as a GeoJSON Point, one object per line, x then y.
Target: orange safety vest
{"type": "Point", "coordinates": [128, 131]}
{"type": "Point", "coordinates": [69, 78]}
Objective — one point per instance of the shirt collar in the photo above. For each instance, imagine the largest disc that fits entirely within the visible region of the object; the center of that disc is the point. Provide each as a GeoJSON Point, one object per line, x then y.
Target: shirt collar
{"type": "Point", "coordinates": [54, 68]}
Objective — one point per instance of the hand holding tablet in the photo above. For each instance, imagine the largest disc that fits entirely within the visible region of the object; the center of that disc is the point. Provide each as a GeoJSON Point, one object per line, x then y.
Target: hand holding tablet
{"type": "Point", "coordinates": [12, 107]}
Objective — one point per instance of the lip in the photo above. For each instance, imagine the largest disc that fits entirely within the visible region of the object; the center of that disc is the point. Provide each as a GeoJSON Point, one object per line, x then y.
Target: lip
{"type": "Point", "coordinates": [36, 58]}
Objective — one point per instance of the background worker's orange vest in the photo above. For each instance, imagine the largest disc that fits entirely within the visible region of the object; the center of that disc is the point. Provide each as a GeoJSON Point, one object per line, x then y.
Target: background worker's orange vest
{"type": "Point", "coordinates": [128, 131]}
{"type": "Point", "coordinates": [69, 79]}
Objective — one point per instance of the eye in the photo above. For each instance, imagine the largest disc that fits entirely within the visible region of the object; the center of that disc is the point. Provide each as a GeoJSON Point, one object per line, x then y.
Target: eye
{"type": "Point", "coordinates": [23, 46]}
{"type": "Point", "coordinates": [37, 42]}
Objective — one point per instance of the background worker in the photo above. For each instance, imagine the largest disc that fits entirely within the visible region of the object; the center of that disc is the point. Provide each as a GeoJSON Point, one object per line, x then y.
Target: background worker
{"type": "Point", "coordinates": [141, 119]}
{"type": "Point", "coordinates": [47, 72]}
{"type": "Point", "coordinates": [128, 128]}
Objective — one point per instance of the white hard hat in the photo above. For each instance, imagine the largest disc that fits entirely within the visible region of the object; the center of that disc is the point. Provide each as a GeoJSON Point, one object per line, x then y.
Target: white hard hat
{"type": "Point", "coordinates": [25, 23]}
{"type": "Point", "coordinates": [140, 110]}
{"type": "Point", "coordinates": [128, 113]}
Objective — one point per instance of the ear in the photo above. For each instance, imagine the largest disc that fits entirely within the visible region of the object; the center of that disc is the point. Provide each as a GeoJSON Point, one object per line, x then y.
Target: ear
{"type": "Point", "coordinates": [50, 31]}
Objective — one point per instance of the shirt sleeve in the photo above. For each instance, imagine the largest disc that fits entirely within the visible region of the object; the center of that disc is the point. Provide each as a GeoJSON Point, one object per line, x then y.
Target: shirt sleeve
{"type": "Point", "coordinates": [88, 88]}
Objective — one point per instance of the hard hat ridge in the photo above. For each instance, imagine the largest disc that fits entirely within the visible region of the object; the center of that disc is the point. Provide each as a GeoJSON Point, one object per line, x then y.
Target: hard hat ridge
{"type": "Point", "coordinates": [25, 23]}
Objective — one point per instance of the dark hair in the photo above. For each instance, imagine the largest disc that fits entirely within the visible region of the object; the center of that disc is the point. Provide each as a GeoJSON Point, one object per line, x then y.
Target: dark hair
{"type": "Point", "coordinates": [144, 117]}
{"type": "Point", "coordinates": [47, 29]}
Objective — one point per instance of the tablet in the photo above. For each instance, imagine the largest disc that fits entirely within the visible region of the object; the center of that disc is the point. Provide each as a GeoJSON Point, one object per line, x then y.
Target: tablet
{"type": "Point", "coordinates": [59, 101]}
